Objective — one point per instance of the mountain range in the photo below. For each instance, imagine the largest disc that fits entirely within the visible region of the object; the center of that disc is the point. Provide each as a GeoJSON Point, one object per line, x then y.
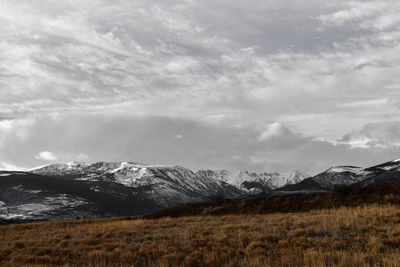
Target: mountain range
{"type": "Point", "coordinates": [103, 189]}
{"type": "Point", "coordinates": [346, 175]}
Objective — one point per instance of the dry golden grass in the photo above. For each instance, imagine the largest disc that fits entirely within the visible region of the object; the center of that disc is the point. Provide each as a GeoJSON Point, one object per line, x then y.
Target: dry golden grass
{"type": "Point", "coordinates": [358, 236]}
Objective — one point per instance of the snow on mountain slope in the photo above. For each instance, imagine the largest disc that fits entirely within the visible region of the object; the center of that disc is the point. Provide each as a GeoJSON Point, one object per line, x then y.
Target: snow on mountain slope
{"type": "Point", "coordinates": [246, 181]}
{"type": "Point", "coordinates": [349, 169]}
{"type": "Point", "coordinates": [392, 165]}
{"type": "Point", "coordinates": [288, 178]}
{"type": "Point", "coordinates": [271, 180]}
{"type": "Point", "coordinates": [28, 196]}
{"type": "Point", "coordinates": [167, 185]}
{"type": "Point", "coordinates": [74, 168]}
{"type": "Point", "coordinates": [170, 185]}
{"type": "Point", "coordinates": [220, 175]}
{"type": "Point", "coordinates": [340, 175]}
{"type": "Point", "coordinates": [346, 175]}
{"type": "Point", "coordinates": [127, 173]}
{"type": "Point", "coordinates": [238, 178]}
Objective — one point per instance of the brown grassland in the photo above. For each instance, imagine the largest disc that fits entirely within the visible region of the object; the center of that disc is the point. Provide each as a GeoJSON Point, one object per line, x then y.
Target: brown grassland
{"type": "Point", "coordinates": [366, 235]}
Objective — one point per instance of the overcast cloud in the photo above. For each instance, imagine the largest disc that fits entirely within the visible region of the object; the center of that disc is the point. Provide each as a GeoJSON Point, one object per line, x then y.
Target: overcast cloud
{"type": "Point", "coordinates": [270, 85]}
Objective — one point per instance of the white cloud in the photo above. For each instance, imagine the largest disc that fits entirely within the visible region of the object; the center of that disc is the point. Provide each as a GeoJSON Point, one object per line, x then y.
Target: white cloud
{"type": "Point", "coordinates": [375, 135]}
{"type": "Point", "coordinates": [46, 155]}
{"type": "Point", "coordinates": [178, 136]}
{"type": "Point", "coordinates": [10, 167]}
{"type": "Point", "coordinates": [5, 125]}
{"type": "Point", "coordinates": [272, 130]}
{"type": "Point", "coordinates": [367, 15]}
{"type": "Point", "coordinates": [353, 11]}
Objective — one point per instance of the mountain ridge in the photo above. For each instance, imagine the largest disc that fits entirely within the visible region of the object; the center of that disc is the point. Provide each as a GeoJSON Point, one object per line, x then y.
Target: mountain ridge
{"type": "Point", "coordinates": [345, 175]}
{"type": "Point", "coordinates": [130, 173]}
{"type": "Point", "coordinates": [63, 191]}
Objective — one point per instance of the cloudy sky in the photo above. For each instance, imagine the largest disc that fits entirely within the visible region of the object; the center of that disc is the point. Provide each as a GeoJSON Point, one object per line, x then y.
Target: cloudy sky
{"type": "Point", "coordinates": [258, 84]}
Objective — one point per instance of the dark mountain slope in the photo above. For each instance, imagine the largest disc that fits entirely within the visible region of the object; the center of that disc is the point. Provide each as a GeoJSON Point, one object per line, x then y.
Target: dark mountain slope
{"type": "Point", "coordinates": [345, 175]}
{"type": "Point", "coordinates": [307, 185]}
{"type": "Point", "coordinates": [385, 192]}
{"type": "Point", "coordinates": [25, 195]}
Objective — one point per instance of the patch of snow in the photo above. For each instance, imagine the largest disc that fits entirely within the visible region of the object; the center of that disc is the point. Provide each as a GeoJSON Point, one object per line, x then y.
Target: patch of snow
{"type": "Point", "coordinates": [10, 216]}
{"type": "Point", "coordinates": [238, 178]}
{"type": "Point", "coordinates": [288, 178]}
{"type": "Point", "coordinates": [34, 207]}
{"type": "Point", "coordinates": [64, 200]}
{"type": "Point", "coordinates": [219, 175]}
{"type": "Point", "coordinates": [354, 170]}
{"type": "Point", "coordinates": [32, 191]}
{"type": "Point", "coordinates": [41, 208]}
{"type": "Point", "coordinates": [39, 167]}
{"type": "Point", "coordinates": [388, 168]}
{"type": "Point", "coordinates": [75, 164]}
{"type": "Point", "coordinates": [20, 188]}
{"type": "Point", "coordinates": [95, 188]}
{"type": "Point", "coordinates": [270, 179]}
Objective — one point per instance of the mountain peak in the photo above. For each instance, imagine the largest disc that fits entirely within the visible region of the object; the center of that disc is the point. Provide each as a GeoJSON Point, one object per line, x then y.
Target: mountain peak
{"type": "Point", "coordinates": [267, 179]}
{"type": "Point", "coordinates": [294, 173]}
{"type": "Point", "coordinates": [74, 164]}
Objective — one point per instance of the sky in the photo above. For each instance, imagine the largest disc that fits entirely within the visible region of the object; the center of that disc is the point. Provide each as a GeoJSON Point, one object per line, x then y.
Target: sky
{"type": "Point", "coordinates": [256, 84]}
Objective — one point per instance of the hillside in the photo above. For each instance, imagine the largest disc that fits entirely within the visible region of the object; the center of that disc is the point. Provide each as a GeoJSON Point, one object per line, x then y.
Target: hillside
{"type": "Point", "coordinates": [25, 196]}
{"type": "Point", "coordinates": [346, 175]}
{"type": "Point", "coordinates": [356, 236]}
{"type": "Point", "coordinates": [385, 191]}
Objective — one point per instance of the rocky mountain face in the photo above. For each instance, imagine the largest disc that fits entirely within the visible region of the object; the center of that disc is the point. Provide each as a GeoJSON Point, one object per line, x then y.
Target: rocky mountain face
{"type": "Point", "coordinates": [165, 185]}
{"type": "Point", "coordinates": [254, 182]}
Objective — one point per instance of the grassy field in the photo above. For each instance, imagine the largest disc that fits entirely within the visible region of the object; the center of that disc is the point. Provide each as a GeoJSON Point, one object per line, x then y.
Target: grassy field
{"type": "Point", "coordinates": [356, 236]}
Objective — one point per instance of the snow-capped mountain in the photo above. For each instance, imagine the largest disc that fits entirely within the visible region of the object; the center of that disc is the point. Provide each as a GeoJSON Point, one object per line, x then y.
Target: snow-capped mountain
{"type": "Point", "coordinates": [393, 165]}
{"type": "Point", "coordinates": [252, 181]}
{"type": "Point", "coordinates": [166, 185]}
{"type": "Point", "coordinates": [76, 169]}
{"type": "Point", "coordinates": [382, 173]}
{"type": "Point", "coordinates": [346, 175]}
{"type": "Point", "coordinates": [173, 184]}
{"type": "Point", "coordinates": [287, 178]}
{"type": "Point", "coordinates": [77, 189]}
{"type": "Point", "coordinates": [340, 175]}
